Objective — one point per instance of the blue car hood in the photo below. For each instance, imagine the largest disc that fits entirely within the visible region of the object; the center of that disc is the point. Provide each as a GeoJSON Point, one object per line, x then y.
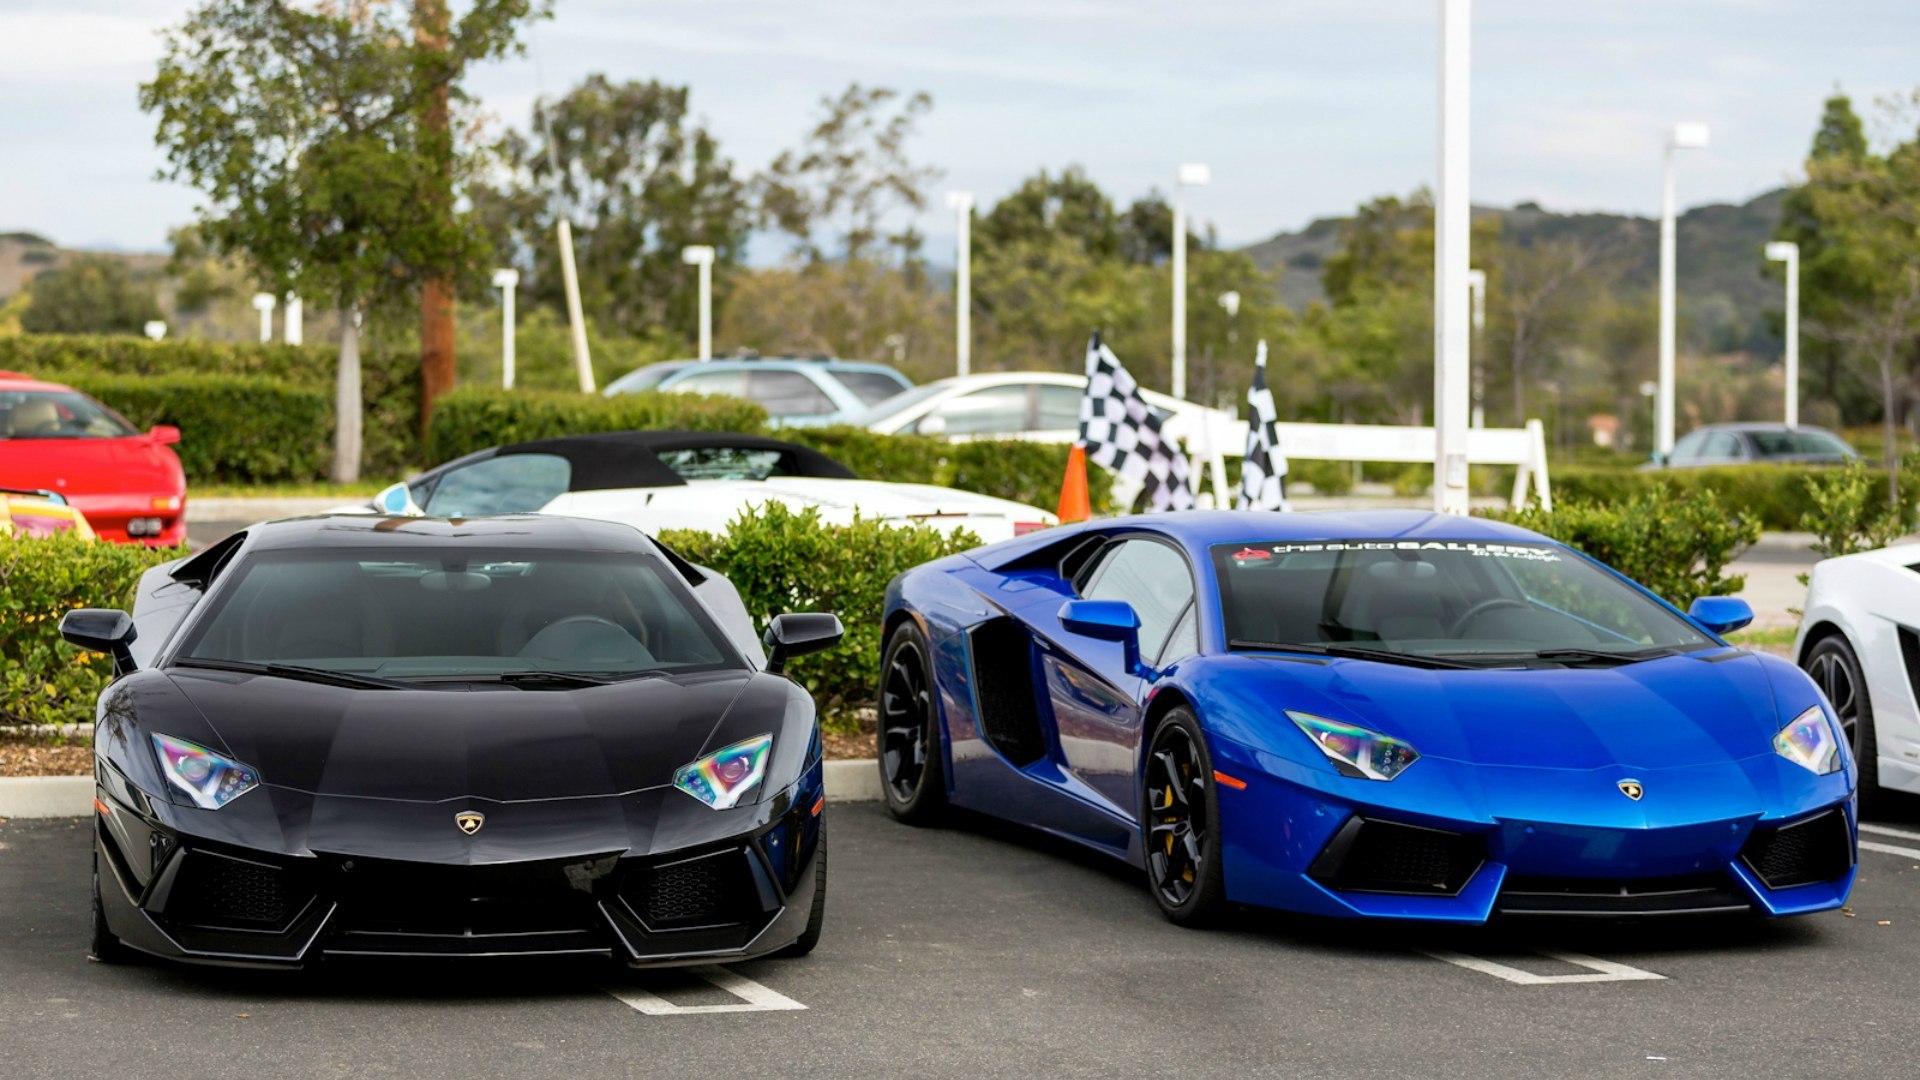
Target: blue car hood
{"type": "Point", "coordinates": [1669, 713]}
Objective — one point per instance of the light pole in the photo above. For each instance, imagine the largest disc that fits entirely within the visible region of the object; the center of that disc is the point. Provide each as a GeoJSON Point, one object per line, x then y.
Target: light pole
{"type": "Point", "coordinates": [263, 303]}
{"type": "Point", "coordinates": [1187, 176]}
{"type": "Point", "coordinates": [1452, 307]}
{"type": "Point", "coordinates": [701, 255]}
{"type": "Point", "coordinates": [155, 329]}
{"type": "Point", "coordinates": [961, 203]}
{"type": "Point", "coordinates": [1686, 136]}
{"type": "Point", "coordinates": [293, 329]}
{"type": "Point", "coordinates": [1230, 302]}
{"type": "Point", "coordinates": [1788, 252]}
{"type": "Point", "coordinates": [1477, 291]}
{"type": "Point", "coordinates": [507, 280]}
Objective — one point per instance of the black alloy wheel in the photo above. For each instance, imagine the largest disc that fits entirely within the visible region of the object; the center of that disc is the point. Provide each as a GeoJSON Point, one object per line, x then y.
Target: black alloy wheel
{"type": "Point", "coordinates": [817, 914]}
{"type": "Point", "coordinates": [1835, 669]}
{"type": "Point", "coordinates": [1181, 817]}
{"type": "Point", "coordinates": [104, 948]}
{"type": "Point", "coordinates": [911, 773]}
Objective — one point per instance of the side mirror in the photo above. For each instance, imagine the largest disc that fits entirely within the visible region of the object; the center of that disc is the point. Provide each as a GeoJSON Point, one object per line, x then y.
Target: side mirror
{"type": "Point", "coordinates": [1721, 614]}
{"type": "Point", "coordinates": [1108, 620]}
{"type": "Point", "coordinates": [164, 434]}
{"type": "Point", "coordinates": [931, 424]}
{"type": "Point", "coordinates": [398, 500]}
{"type": "Point", "coordinates": [101, 630]}
{"type": "Point", "coordinates": [800, 633]}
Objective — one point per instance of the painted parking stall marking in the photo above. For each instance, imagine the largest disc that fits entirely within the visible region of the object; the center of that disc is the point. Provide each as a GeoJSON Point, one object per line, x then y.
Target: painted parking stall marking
{"type": "Point", "coordinates": [752, 996]}
{"type": "Point", "coordinates": [1598, 970]}
{"type": "Point", "coordinates": [1890, 849]}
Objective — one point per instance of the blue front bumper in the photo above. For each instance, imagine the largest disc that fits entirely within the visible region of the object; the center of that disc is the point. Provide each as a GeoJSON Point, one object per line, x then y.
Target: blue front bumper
{"type": "Point", "coordinates": [1534, 831]}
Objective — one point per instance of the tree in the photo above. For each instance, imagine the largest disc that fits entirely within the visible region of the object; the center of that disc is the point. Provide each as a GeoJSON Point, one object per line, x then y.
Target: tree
{"type": "Point", "coordinates": [1536, 296]}
{"type": "Point", "coordinates": [1827, 274]}
{"type": "Point", "coordinates": [303, 130]}
{"type": "Point", "coordinates": [639, 181]}
{"type": "Point", "coordinates": [836, 193]}
{"type": "Point", "coordinates": [93, 294]}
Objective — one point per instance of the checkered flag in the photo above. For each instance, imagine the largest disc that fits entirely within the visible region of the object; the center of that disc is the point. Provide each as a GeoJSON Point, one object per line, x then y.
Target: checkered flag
{"type": "Point", "coordinates": [1121, 433]}
{"type": "Point", "coordinates": [1265, 466]}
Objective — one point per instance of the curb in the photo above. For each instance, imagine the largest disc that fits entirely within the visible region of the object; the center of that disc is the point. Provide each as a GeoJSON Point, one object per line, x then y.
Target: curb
{"type": "Point", "coordinates": [72, 796]}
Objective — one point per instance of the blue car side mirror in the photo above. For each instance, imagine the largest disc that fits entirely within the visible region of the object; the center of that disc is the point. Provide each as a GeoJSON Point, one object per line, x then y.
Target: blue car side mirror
{"type": "Point", "coordinates": [1108, 620]}
{"type": "Point", "coordinates": [1721, 614]}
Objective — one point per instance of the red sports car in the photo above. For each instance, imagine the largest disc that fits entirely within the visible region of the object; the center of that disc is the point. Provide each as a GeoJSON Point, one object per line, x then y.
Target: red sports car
{"type": "Point", "coordinates": [128, 484]}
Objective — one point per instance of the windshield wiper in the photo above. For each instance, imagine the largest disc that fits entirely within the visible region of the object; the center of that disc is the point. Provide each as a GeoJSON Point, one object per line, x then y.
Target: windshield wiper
{"type": "Point", "coordinates": [1573, 654]}
{"type": "Point", "coordinates": [325, 676]}
{"type": "Point", "coordinates": [1352, 652]}
{"type": "Point", "coordinates": [565, 679]}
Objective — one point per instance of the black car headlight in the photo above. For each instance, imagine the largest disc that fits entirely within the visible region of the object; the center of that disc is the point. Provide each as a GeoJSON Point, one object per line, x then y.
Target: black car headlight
{"type": "Point", "coordinates": [721, 779]}
{"type": "Point", "coordinates": [209, 779]}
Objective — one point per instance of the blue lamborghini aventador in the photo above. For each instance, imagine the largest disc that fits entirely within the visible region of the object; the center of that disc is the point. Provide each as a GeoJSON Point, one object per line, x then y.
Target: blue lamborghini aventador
{"type": "Point", "coordinates": [1386, 714]}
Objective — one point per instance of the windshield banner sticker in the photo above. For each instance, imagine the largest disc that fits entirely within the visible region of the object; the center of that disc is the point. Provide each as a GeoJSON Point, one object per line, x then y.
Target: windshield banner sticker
{"type": "Point", "coordinates": [1250, 555]}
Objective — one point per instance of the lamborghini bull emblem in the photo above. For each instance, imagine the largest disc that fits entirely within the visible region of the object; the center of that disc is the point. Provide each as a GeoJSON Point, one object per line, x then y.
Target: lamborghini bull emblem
{"type": "Point", "coordinates": [469, 821]}
{"type": "Point", "coordinates": [1632, 789]}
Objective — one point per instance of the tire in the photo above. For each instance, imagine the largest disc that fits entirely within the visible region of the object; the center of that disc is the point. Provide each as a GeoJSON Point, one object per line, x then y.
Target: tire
{"type": "Point", "coordinates": [816, 916]}
{"type": "Point", "coordinates": [1180, 815]}
{"type": "Point", "coordinates": [1835, 668]}
{"type": "Point", "coordinates": [907, 736]}
{"type": "Point", "coordinates": [105, 948]}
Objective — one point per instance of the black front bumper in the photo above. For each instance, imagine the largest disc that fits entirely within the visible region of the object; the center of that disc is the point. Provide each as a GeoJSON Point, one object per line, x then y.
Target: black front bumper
{"type": "Point", "coordinates": [201, 902]}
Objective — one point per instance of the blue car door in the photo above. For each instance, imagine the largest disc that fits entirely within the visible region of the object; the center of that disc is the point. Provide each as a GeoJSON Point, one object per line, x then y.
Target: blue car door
{"type": "Point", "coordinates": [1094, 700]}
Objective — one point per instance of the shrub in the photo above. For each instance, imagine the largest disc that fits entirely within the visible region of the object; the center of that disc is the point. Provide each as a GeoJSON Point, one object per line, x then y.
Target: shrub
{"type": "Point", "coordinates": [389, 383]}
{"type": "Point", "coordinates": [1774, 495]}
{"type": "Point", "coordinates": [785, 561]}
{"type": "Point", "coordinates": [1026, 472]}
{"type": "Point", "coordinates": [43, 680]}
{"type": "Point", "coordinates": [473, 418]}
{"type": "Point", "coordinates": [234, 428]}
{"type": "Point", "coordinates": [1678, 545]}
{"type": "Point", "coordinates": [1847, 512]}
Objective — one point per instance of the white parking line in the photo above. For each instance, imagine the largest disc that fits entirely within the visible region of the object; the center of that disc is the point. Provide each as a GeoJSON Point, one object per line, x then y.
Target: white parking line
{"type": "Point", "coordinates": [1598, 970]}
{"type": "Point", "coordinates": [1890, 849]}
{"type": "Point", "coordinates": [1888, 830]}
{"type": "Point", "coordinates": [753, 997]}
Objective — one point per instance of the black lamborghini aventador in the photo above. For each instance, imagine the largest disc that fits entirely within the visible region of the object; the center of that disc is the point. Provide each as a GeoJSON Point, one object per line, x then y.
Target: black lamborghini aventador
{"type": "Point", "coordinates": [357, 735]}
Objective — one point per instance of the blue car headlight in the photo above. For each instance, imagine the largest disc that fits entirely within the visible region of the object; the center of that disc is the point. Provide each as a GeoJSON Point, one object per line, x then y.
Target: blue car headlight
{"type": "Point", "coordinates": [723, 778]}
{"type": "Point", "coordinates": [1809, 742]}
{"type": "Point", "coordinates": [210, 780]}
{"type": "Point", "coordinates": [1355, 751]}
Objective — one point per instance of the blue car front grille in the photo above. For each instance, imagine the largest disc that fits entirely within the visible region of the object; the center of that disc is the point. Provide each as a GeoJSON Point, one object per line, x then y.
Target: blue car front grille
{"type": "Point", "coordinates": [1817, 849]}
{"type": "Point", "coordinates": [1374, 856]}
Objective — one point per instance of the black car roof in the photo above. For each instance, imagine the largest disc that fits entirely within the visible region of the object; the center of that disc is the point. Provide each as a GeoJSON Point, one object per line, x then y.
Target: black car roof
{"type": "Point", "coordinates": [630, 459]}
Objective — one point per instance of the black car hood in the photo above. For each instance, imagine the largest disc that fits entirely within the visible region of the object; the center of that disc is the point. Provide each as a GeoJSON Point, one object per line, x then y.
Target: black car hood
{"type": "Point", "coordinates": [495, 743]}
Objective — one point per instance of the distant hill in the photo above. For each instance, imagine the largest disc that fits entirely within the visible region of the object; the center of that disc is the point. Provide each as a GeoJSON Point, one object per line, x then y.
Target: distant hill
{"type": "Point", "coordinates": [1725, 299]}
{"type": "Point", "coordinates": [24, 256]}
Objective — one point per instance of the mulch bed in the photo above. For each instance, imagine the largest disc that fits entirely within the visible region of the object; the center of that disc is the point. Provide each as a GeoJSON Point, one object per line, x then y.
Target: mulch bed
{"type": "Point", "coordinates": [848, 746]}
{"type": "Point", "coordinates": [43, 757]}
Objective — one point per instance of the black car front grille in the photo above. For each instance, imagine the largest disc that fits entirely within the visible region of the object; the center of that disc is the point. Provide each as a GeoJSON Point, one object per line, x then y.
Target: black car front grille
{"type": "Point", "coordinates": [1817, 849]}
{"type": "Point", "coordinates": [1693, 894]}
{"type": "Point", "coordinates": [221, 891]}
{"type": "Point", "coordinates": [706, 890]}
{"type": "Point", "coordinates": [1389, 857]}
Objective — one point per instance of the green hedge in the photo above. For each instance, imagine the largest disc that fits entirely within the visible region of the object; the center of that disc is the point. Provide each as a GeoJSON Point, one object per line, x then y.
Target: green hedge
{"type": "Point", "coordinates": [1774, 495]}
{"type": "Point", "coordinates": [1678, 544]}
{"type": "Point", "coordinates": [1026, 472]}
{"type": "Point", "coordinates": [784, 561]}
{"type": "Point", "coordinates": [473, 418]}
{"type": "Point", "coordinates": [43, 680]}
{"type": "Point", "coordinates": [389, 386]}
{"type": "Point", "coordinates": [235, 429]}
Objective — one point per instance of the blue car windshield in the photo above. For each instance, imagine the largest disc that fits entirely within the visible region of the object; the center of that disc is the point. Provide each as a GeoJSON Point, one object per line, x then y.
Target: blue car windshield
{"type": "Point", "coordinates": [1455, 599]}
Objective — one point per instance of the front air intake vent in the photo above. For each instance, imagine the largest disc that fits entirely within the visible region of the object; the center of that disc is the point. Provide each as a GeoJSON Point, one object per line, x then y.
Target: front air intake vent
{"type": "Point", "coordinates": [1817, 849]}
{"type": "Point", "coordinates": [218, 891]}
{"type": "Point", "coordinates": [1389, 857]}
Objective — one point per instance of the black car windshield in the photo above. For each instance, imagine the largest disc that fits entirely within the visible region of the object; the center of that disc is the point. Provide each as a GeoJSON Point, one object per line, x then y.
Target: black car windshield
{"type": "Point", "coordinates": [57, 414]}
{"type": "Point", "coordinates": [458, 611]}
{"type": "Point", "coordinates": [1465, 600]}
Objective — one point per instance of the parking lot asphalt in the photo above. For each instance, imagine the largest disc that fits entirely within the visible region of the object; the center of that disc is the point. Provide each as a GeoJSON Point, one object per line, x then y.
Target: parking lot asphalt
{"type": "Point", "coordinates": [976, 950]}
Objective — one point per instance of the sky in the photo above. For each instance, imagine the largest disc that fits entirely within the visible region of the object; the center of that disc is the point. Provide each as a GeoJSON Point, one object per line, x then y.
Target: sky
{"type": "Point", "coordinates": [1303, 108]}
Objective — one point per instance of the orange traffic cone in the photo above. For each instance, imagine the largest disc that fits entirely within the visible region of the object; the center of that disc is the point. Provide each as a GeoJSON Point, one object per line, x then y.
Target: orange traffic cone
{"type": "Point", "coordinates": [1074, 504]}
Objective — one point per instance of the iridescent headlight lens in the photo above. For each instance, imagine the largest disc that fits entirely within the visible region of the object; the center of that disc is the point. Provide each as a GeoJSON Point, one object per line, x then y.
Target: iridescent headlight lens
{"type": "Point", "coordinates": [723, 778]}
{"type": "Point", "coordinates": [210, 780]}
{"type": "Point", "coordinates": [1810, 743]}
{"type": "Point", "coordinates": [1355, 751]}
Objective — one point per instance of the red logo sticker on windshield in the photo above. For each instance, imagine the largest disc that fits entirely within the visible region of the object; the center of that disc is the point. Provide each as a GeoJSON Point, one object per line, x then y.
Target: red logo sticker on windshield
{"type": "Point", "coordinates": [1251, 555]}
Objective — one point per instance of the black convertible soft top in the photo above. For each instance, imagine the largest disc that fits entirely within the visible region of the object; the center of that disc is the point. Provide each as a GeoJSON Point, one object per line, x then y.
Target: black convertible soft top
{"type": "Point", "coordinates": [630, 459]}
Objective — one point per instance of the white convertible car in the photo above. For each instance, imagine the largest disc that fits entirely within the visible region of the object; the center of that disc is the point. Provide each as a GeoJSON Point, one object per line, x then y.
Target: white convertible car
{"type": "Point", "coordinates": [1860, 640]}
{"type": "Point", "coordinates": [655, 480]}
